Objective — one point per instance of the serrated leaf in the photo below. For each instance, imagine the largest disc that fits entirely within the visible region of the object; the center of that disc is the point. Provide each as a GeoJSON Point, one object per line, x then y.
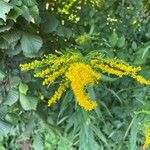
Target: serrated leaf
{"type": "Point", "coordinates": [12, 36]}
{"type": "Point", "coordinates": [13, 52]}
{"type": "Point", "coordinates": [31, 44]}
{"type": "Point", "coordinates": [5, 28]}
{"type": "Point", "coordinates": [12, 97]}
{"type": "Point", "coordinates": [4, 9]}
{"type": "Point", "coordinates": [3, 111]}
{"type": "Point", "coordinates": [4, 127]}
{"type": "Point", "coordinates": [23, 88]}
{"type": "Point", "coordinates": [14, 81]}
{"type": "Point", "coordinates": [28, 102]}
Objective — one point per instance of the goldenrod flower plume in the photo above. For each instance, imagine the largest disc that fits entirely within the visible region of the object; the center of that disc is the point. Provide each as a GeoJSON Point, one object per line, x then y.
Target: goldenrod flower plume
{"type": "Point", "coordinates": [81, 75]}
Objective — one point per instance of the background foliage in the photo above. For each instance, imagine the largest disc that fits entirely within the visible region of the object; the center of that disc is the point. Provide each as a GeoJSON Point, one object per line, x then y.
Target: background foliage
{"type": "Point", "coordinates": [31, 28]}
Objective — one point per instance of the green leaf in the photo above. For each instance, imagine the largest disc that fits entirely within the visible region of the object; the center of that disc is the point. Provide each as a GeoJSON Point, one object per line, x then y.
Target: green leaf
{"type": "Point", "coordinates": [12, 118]}
{"type": "Point", "coordinates": [12, 36]}
{"type": "Point", "coordinates": [4, 127]}
{"type": "Point", "coordinates": [146, 50]}
{"type": "Point", "coordinates": [3, 111]}
{"type": "Point", "coordinates": [65, 32]}
{"type": "Point", "coordinates": [86, 138]}
{"type": "Point", "coordinates": [3, 44]}
{"type": "Point", "coordinates": [142, 54]}
{"type": "Point", "coordinates": [14, 81]}
{"type": "Point", "coordinates": [91, 92]}
{"type": "Point", "coordinates": [133, 136]}
{"type": "Point", "coordinates": [134, 45]}
{"type": "Point", "coordinates": [13, 52]}
{"type": "Point", "coordinates": [121, 42]}
{"type": "Point", "coordinates": [108, 79]}
{"type": "Point", "coordinates": [12, 97]}
{"type": "Point", "coordinates": [34, 12]}
{"type": "Point", "coordinates": [2, 75]}
{"type": "Point", "coordinates": [101, 136]}
{"type": "Point", "coordinates": [113, 39]}
{"type": "Point", "coordinates": [64, 104]}
{"type": "Point", "coordinates": [122, 55]}
{"type": "Point", "coordinates": [23, 88]}
{"type": "Point", "coordinates": [49, 24]}
{"type": "Point", "coordinates": [4, 9]}
{"type": "Point", "coordinates": [16, 2]}
{"type": "Point", "coordinates": [26, 134]}
{"type": "Point", "coordinates": [5, 28]}
{"type": "Point", "coordinates": [30, 13]}
{"type": "Point", "coordinates": [38, 143]}
{"type": "Point", "coordinates": [2, 22]}
{"type": "Point", "coordinates": [14, 13]}
{"type": "Point", "coordinates": [31, 44]}
{"type": "Point", "coordinates": [28, 102]}
{"type": "Point", "coordinates": [26, 13]}
{"type": "Point", "coordinates": [29, 3]}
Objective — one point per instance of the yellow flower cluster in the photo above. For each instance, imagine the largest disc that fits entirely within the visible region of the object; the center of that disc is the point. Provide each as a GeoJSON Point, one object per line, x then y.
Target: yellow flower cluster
{"type": "Point", "coordinates": [31, 65]}
{"type": "Point", "coordinates": [42, 73]}
{"type": "Point", "coordinates": [54, 76]}
{"type": "Point", "coordinates": [60, 61]}
{"type": "Point", "coordinates": [81, 75]}
{"type": "Point", "coordinates": [147, 139]}
{"type": "Point", "coordinates": [112, 66]}
{"type": "Point", "coordinates": [141, 79]}
{"type": "Point", "coordinates": [57, 95]}
{"type": "Point", "coordinates": [109, 70]}
{"type": "Point", "coordinates": [77, 72]}
{"type": "Point", "coordinates": [51, 61]}
{"type": "Point", "coordinates": [126, 68]}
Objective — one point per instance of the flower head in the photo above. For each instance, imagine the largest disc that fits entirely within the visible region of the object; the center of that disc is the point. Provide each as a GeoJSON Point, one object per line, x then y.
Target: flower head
{"type": "Point", "coordinates": [81, 75]}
